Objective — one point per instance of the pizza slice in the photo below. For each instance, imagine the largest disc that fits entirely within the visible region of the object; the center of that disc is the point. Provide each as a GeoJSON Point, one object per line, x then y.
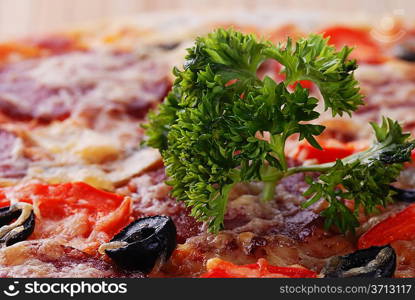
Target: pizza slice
{"type": "Point", "coordinates": [80, 193]}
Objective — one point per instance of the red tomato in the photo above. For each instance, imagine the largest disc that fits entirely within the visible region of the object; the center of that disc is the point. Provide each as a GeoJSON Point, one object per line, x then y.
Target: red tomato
{"type": "Point", "coordinates": [366, 49]}
{"type": "Point", "coordinates": [412, 162]}
{"type": "Point", "coordinates": [218, 268]}
{"type": "Point", "coordinates": [3, 200]}
{"type": "Point", "coordinates": [332, 150]}
{"type": "Point", "coordinates": [398, 227]}
{"type": "Point", "coordinates": [80, 214]}
{"type": "Point", "coordinates": [62, 200]}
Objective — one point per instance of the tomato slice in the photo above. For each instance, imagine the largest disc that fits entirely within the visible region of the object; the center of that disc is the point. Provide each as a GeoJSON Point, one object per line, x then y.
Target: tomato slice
{"type": "Point", "coordinates": [76, 212]}
{"type": "Point", "coordinates": [3, 200]}
{"type": "Point", "coordinates": [218, 268]}
{"type": "Point", "coordinates": [332, 150]}
{"type": "Point", "coordinates": [398, 227]}
{"type": "Point", "coordinates": [366, 49]}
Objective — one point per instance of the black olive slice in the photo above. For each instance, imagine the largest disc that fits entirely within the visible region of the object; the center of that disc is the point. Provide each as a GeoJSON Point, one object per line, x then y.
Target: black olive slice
{"type": "Point", "coordinates": [19, 230]}
{"type": "Point", "coordinates": [405, 50]}
{"type": "Point", "coordinates": [143, 243]}
{"type": "Point", "coordinates": [403, 195]}
{"type": "Point", "coordinates": [374, 262]}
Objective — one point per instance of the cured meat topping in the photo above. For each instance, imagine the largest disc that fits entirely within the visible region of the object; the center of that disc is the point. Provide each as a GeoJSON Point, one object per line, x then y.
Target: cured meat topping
{"type": "Point", "coordinates": [53, 88]}
{"type": "Point", "coordinates": [49, 258]}
{"type": "Point", "coordinates": [86, 106]}
{"type": "Point", "coordinates": [12, 163]}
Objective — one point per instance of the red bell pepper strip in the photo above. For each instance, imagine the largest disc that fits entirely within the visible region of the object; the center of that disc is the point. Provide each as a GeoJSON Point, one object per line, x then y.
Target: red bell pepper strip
{"type": "Point", "coordinates": [398, 227]}
{"type": "Point", "coordinates": [218, 268]}
{"type": "Point", "coordinates": [366, 49]}
{"type": "Point", "coordinates": [332, 150]}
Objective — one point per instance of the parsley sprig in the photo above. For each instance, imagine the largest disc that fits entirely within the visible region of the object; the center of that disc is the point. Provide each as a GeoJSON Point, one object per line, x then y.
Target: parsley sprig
{"type": "Point", "coordinates": [207, 128]}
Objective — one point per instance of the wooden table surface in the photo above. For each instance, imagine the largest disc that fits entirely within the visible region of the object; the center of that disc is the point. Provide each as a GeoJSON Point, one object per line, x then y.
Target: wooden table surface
{"type": "Point", "coordinates": [22, 17]}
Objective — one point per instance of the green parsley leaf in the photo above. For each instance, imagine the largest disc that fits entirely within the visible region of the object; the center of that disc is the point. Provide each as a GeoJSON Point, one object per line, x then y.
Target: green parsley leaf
{"type": "Point", "coordinates": [207, 128]}
{"type": "Point", "coordinates": [364, 177]}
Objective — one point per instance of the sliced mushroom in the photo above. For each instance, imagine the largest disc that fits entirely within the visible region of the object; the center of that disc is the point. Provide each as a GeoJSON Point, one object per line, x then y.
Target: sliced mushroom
{"type": "Point", "coordinates": [18, 230]}
{"type": "Point", "coordinates": [374, 262]}
{"type": "Point", "coordinates": [403, 195]}
{"type": "Point", "coordinates": [142, 244]}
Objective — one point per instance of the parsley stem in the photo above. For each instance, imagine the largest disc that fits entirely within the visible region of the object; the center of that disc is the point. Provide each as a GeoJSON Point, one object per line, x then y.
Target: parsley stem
{"type": "Point", "coordinates": [270, 176]}
{"type": "Point", "coordinates": [361, 156]}
{"type": "Point", "coordinates": [278, 146]}
{"type": "Point", "coordinates": [311, 168]}
{"type": "Point", "coordinates": [269, 191]}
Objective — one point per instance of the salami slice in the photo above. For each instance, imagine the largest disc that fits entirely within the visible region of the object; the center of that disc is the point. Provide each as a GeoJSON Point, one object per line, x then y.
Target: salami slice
{"type": "Point", "coordinates": [54, 87]}
{"type": "Point", "coordinates": [12, 164]}
{"type": "Point", "coordinates": [48, 258]}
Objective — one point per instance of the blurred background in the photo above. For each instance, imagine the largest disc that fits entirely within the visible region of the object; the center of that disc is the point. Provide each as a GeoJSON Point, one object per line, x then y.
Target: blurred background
{"type": "Point", "coordinates": [22, 17]}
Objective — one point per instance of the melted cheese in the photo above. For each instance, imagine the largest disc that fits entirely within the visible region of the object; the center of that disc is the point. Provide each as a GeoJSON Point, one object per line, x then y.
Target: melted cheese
{"type": "Point", "coordinates": [96, 148]}
{"type": "Point", "coordinates": [95, 174]}
{"type": "Point", "coordinates": [90, 174]}
{"type": "Point", "coordinates": [70, 142]}
{"type": "Point", "coordinates": [134, 165]}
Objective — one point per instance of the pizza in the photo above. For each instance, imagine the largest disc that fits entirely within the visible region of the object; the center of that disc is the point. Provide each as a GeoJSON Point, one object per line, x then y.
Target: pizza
{"type": "Point", "coordinates": [83, 195]}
